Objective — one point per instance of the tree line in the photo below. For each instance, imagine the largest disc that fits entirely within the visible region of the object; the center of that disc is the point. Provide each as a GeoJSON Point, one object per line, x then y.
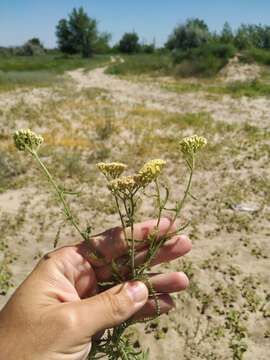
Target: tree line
{"type": "Point", "coordinates": [79, 34]}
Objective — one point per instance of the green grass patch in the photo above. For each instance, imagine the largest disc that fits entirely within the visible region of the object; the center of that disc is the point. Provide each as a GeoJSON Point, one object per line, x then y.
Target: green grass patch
{"type": "Point", "coordinates": [183, 87]}
{"type": "Point", "coordinates": [13, 80]}
{"type": "Point", "coordinates": [152, 64]}
{"type": "Point", "coordinates": [238, 89]}
{"type": "Point", "coordinates": [52, 63]}
{"type": "Point", "coordinates": [41, 71]}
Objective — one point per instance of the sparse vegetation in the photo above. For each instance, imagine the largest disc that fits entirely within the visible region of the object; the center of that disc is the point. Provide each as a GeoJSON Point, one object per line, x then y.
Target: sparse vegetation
{"type": "Point", "coordinates": [253, 88]}
{"type": "Point", "coordinates": [86, 123]}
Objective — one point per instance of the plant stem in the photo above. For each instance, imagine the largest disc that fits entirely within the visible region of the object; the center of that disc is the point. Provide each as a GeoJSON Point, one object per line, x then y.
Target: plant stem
{"type": "Point", "coordinates": [121, 218]}
{"type": "Point", "coordinates": [160, 208]}
{"type": "Point", "coordinates": [59, 192]}
{"type": "Point", "coordinates": [132, 239]}
{"type": "Point", "coordinates": [180, 205]}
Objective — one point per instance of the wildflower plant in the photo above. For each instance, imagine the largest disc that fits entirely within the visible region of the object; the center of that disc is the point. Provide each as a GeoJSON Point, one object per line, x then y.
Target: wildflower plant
{"type": "Point", "coordinates": [126, 191]}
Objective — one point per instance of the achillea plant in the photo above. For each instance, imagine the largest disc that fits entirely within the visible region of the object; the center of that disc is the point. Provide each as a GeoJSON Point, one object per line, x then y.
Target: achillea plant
{"type": "Point", "coordinates": [125, 190]}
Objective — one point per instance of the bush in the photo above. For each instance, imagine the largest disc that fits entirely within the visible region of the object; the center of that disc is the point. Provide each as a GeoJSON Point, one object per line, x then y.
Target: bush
{"type": "Point", "coordinates": [207, 60]}
{"type": "Point", "coordinates": [148, 48]}
{"type": "Point", "coordinates": [256, 55]}
{"type": "Point", "coordinates": [6, 52]}
{"type": "Point", "coordinates": [32, 47]}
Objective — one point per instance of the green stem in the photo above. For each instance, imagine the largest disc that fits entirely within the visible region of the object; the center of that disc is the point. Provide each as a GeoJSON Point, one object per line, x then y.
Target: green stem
{"type": "Point", "coordinates": [132, 240]}
{"type": "Point", "coordinates": [160, 208]}
{"type": "Point", "coordinates": [59, 192]}
{"type": "Point", "coordinates": [180, 205]}
{"type": "Point", "coordinates": [121, 218]}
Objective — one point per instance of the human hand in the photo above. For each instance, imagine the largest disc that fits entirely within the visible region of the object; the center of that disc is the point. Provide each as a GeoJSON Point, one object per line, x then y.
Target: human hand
{"type": "Point", "coordinates": [57, 310]}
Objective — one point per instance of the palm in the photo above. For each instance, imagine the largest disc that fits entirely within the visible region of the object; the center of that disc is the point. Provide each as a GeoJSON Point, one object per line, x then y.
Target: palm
{"type": "Point", "coordinates": [81, 272]}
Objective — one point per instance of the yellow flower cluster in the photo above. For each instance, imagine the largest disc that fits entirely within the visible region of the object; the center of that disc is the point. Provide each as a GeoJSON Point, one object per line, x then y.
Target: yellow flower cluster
{"type": "Point", "coordinates": [128, 184]}
{"type": "Point", "coordinates": [25, 138]}
{"type": "Point", "coordinates": [150, 171]}
{"type": "Point", "coordinates": [124, 184]}
{"type": "Point", "coordinates": [111, 170]}
{"type": "Point", "coordinates": [192, 144]}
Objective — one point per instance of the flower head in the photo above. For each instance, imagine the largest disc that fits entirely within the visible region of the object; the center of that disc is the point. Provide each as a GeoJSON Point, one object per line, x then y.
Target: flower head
{"type": "Point", "coordinates": [111, 170]}
{"type": "Point", "coordinates": [25, 138]}
{"type": "Point", "coordinates": [150, 171]}
{"type": "Point", "coordinates": [124, 184]}
{"type": "Point", "coordinates": [192, 144]}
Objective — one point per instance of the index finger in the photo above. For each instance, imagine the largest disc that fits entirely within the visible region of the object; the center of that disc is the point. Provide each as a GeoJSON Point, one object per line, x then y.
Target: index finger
{"type": "Point", "coordinates": [109, 245]}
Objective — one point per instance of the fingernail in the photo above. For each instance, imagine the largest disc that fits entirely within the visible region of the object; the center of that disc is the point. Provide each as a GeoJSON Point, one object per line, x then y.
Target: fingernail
{"type": "Point", "coordinates": [137, 291]}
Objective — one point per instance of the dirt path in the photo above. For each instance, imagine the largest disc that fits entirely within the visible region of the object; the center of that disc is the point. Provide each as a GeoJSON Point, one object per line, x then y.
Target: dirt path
{"type": "Point", "coordinates": [222, 108]}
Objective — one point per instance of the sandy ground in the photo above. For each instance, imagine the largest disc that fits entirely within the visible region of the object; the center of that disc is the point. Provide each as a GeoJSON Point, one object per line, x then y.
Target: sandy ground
{"type": "Point", "coordinates": [227, 308]}
{"type": "Point", "coordinates": [152, 97]}
{"type": "Point", "coordinates": [235, 71]}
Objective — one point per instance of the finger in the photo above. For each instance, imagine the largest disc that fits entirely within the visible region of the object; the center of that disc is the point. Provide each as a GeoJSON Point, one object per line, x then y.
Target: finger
{"type": "Point", "coordinates": [174, 248]}
{"type": "Point", "coordinates": [101, 249]}
{"type": "Point", "coordinates": [150, 308]}
{"type": "Point", "coordinates": [110, 308]}
{"type": "Point", "coordinates": [171, 250]}
{"type": "Point", "coordinates": [169, 283]}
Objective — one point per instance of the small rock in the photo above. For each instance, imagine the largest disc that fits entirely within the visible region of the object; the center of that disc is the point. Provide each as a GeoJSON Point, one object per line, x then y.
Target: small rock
{"type": "Point", "coordinates": [246, 207]}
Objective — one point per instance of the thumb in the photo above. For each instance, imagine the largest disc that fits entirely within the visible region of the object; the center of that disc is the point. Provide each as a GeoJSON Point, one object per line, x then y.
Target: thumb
{"type": "Point", "coordinates": [111, 307]}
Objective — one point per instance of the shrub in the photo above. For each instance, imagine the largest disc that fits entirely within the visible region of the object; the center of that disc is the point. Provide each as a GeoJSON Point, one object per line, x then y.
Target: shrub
{"type": "Point", "coordinates": [148, 48]}
{"type": "Point", "coordinates": [256, 55]}
{"type": "Point", "coordinates": [207, 60]}
{"type": "Point", "coordinates": [129, 43]}
{"type": "Point", "coordinates": [30, 48]}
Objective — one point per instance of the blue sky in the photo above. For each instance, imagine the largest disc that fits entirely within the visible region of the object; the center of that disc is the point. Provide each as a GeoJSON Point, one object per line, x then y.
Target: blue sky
{"type": "Point", "coordinates": [23, 19]}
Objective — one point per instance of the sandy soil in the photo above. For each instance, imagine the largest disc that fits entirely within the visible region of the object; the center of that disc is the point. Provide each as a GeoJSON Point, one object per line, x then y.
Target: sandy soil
{"type": "Point", "coordinates": [153, 97]}
{"type": "Point", "coordinates": [227, 307]}
{"type": "Point", "coordinates": [235, 71]}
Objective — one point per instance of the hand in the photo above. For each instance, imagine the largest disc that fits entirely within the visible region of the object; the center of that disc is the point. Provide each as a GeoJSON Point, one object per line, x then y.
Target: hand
{"type": "Point", "coordinates": [57, 310]}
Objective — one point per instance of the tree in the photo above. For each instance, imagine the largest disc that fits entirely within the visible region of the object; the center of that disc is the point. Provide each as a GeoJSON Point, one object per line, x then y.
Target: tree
{"type": "Point", "coordinates": [64, 37]}
{"type": "Point", "coordinates": [129, 43]}
{"type": "Point", "coordinates": [192, 34]}
{"type": "Point", "coordinates": [227, 36]}
{"type": "Point", "coordinates": [78, 34]}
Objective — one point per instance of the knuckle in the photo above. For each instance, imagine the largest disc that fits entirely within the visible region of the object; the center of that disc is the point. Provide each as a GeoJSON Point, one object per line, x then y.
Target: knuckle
{"type": "Point", "coordinates": [67, 320]}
